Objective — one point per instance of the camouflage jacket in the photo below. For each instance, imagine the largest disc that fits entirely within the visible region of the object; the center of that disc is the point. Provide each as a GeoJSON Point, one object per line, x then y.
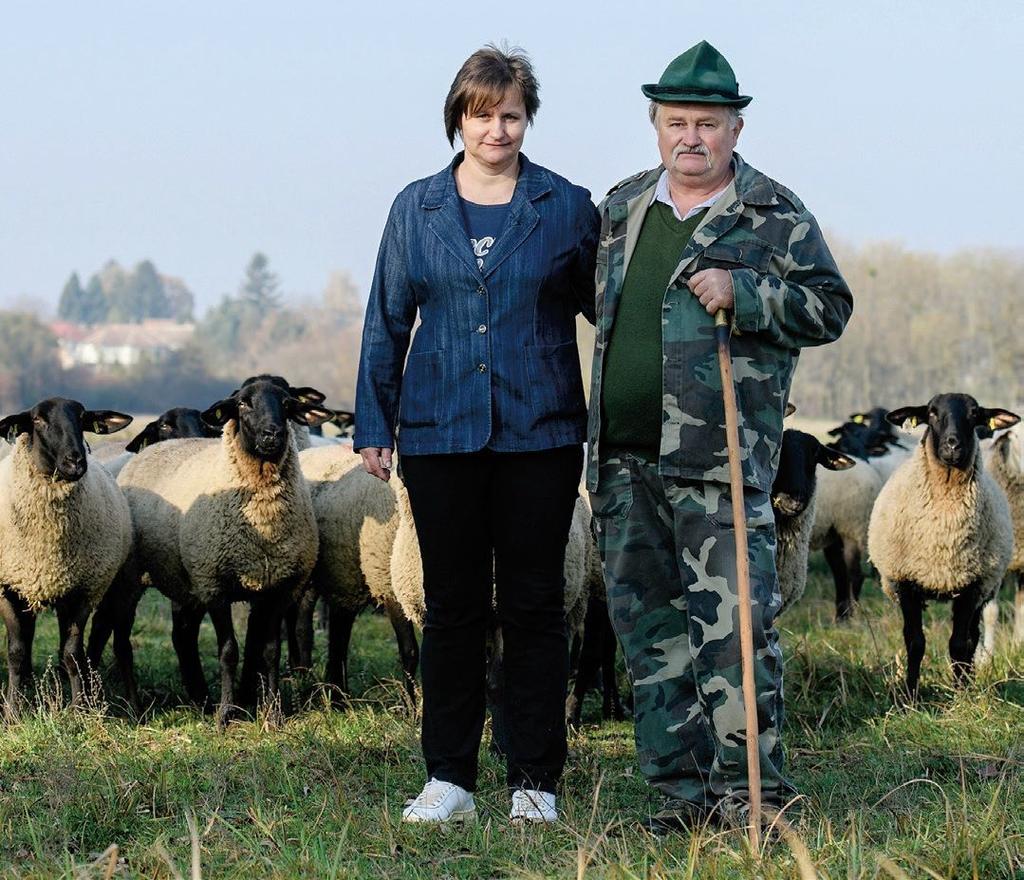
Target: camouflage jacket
{"type": "Point", "coordinates": [788, 294]}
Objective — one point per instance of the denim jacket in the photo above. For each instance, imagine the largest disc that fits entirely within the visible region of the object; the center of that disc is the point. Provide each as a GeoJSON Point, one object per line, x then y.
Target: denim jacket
{"type": "Point", "coordinates": [494, 361]}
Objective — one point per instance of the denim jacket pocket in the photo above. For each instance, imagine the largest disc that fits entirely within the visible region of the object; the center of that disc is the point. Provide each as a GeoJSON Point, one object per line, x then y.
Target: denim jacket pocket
{"type": "Point", "coordinates": [556, 384]}
{"type": "Point", "coordinates": [422, 383]}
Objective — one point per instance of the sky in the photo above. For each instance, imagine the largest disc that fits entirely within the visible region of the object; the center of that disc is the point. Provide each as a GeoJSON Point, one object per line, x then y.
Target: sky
{"type": "Point", "coordinates": [194, 134]}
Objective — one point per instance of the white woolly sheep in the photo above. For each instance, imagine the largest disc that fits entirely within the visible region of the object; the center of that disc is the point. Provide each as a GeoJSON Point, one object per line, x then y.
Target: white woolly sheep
{"type": "Point", "coordinates": [65, 531]}
{"type": "Point", "coordinates": [357, 517]}
{"type": "Point", "coordinates": [941, 527]}
{"type": "Point", "coordinates": [218, 521]}
{"type": "Point", "coordinates": [1005, 461]}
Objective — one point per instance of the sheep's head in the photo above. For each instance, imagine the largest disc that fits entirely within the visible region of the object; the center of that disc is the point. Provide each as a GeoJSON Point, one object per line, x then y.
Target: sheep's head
{"type": "Point", "coordinates": [261, 408]}
{"type": "Point", "coordinates": [54, 428]}
{"type": "Point", "coordinates": [796, 479]}
{"type": "Point", "coordinates": [1009, 445]}
{"type": "Point", "coordinates": [177, 423]}
{"type": "Point", "coordinates": [953, 420]}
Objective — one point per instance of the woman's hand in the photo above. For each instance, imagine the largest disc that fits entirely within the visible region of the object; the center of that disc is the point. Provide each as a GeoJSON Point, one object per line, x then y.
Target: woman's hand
{"type": "Point", "coordinates": [377, 461]}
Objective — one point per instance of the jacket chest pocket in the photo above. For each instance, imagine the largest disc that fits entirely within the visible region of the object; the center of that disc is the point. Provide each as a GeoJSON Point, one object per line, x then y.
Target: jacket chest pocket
{"type": "Point", "coordinates": [754, 255]}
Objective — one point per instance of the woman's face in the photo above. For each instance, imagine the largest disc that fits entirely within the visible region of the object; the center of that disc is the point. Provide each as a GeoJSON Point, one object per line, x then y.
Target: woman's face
{"type": "Point", "coordinates": [493, 136]}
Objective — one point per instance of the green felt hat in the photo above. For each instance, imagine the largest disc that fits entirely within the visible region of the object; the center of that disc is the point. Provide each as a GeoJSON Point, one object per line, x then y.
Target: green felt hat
{"type": "Point", "coordinates": [701, 75]}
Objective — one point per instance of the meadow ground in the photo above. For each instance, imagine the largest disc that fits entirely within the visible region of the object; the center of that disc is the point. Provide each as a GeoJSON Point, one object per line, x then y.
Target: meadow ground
{"type": "Point", "coordinates": [931, 791]}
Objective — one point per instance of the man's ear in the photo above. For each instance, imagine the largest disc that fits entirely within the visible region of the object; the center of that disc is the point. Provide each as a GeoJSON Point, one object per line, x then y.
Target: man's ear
{"type": "Point", "coordinates": [149, 434]}
{"type": "Point", "coordinates": [220, 413]}
{"type": "Point", "coordinates": [834, 460]}
{"type": "Point", "coordinates": [12, 426]}
{"type": "Point", "coordinates": [908, 416]}
{"type": "Point", "coordinates": [997, 419]}
{"type": "Point", "coordinates": [104, 421]}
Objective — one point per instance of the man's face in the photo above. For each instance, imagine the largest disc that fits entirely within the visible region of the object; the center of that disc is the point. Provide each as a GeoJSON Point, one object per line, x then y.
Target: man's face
{"type": "Point", "coordinates": [696, 141]}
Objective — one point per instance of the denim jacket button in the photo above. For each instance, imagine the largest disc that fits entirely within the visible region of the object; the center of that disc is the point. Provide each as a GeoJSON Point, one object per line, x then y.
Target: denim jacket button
{"type": "Point", "coordinates": [482, 328]}
{"type": "Point", "coordinates": [481, 368]}
{"type": "Point", "coordinates": [481, 290]}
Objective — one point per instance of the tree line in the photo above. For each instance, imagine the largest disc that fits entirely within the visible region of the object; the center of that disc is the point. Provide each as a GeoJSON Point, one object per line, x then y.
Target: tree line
{"type": "Point", "coordinates": [922, 324]}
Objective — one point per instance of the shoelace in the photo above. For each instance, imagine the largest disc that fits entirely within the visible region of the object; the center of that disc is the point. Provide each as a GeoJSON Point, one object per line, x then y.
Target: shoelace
{"type": "Point", "coordinates": [433, 793]}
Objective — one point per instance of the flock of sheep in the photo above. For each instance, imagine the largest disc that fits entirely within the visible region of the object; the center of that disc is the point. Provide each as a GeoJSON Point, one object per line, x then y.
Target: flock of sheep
{"type": "Point", "coordinates": [243, 503]}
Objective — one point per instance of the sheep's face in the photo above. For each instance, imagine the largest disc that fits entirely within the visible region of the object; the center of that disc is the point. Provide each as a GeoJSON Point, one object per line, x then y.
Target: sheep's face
{"type": "Point", "coordinates": [262, 408]}
{"type": "Point", "coordinates": [796, 478]}
{"type": "Point", "coordinates": [54, 428]}
{"type": "Point", "coordinates": [953, 420]}
{"type": "Point", "coordinates": [180, 422]}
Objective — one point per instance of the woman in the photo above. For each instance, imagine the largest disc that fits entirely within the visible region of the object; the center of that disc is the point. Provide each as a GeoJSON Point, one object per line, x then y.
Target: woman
{"type": "Point", "coordinates": [496, 256]}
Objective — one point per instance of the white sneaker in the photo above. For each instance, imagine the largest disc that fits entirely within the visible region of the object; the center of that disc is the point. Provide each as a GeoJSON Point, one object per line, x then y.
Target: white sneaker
{"type": "Point", "coordinates": [529, 805]}
{"type": "Point", "coordinates": [441, 802]}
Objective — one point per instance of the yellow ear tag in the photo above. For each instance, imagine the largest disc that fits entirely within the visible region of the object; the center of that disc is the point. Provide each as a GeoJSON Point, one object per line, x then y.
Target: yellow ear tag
{"type": "Point", "coordinates": [96, 427]}
{"type": "Point", "coordinates": [858, 420]}
{"type": "Point", "coordinates": [913, 421]}
{"type": "Point", "coordinates": [144, 444]}
{"type": "Point", "coordinates": [992, 423]}
{"type": "Point", "coordinates": [217, 414]}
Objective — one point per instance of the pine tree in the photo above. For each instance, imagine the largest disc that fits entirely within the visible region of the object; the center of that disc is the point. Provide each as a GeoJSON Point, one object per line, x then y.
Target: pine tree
{"type": "Point", "coordinates": [260, 287]}
{"type": "Point", "coordinates": [70, 306]}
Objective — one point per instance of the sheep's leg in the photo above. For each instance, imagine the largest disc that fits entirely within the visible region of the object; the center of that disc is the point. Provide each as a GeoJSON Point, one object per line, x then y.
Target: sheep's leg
{"type": "Point", "coordinates": [21, 624]}
{"type": "Point", "coordinates": [116, 613]}
{"type": "Point", "coordinates": [912, 607]}
{"type": "Point", "coordinates": [854, 572]}
{"type": "Point", "coordinates": [496, 695]}
{"type": "Point", "coordinates": [323, 614]}
{"type": "Point", "coordinates": [1018, 610]}
{"type": "Point", "coordinates": [408, 648]}
{"type": "Point", "coordinates": [612, 704]}
{"type": "Point", "coordinates": [99, 632]}
{"type": "Point", "coordinates": [300, 631]}
{"type": "Point", "coordinates": [72, 616]}
{"type": "Point", "coordinates": [252, 658]}
{"type": "Point", "coordinates": [987, 645]}
{"type": "Point", "coordinates": [837, 564]}
{"type": "Point", "coordinates": [271, 659]}
{"type": "Point", "coordinates": [339, 635]}
{"type": "Point", "coordinates": [591, 646]}
{"type": "Point", "coordinates": [185, 638]}
{"type": "Point", "coordinates": [227, 654]}
{"type": "Point", "coordinates": [964, 640]}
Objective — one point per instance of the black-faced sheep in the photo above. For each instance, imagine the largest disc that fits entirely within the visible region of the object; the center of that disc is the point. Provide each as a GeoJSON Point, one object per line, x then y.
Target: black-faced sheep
{"type": "Point", "coordinates": [941, 527]}
{"type": "Point", "coordinates": [794, 502]}
{"type": "Point", "coordinates": [65, 531]}
{"type": "Point", "coordinates": [218, 521]}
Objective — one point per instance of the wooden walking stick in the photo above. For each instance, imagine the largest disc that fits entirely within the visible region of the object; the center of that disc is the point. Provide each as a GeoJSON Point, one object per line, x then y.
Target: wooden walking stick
{"type": "Point", "coordinates": [739, 521]}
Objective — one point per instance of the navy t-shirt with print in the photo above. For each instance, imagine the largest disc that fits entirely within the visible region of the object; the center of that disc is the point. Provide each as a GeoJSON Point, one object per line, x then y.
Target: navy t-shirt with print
{"type": "Point", "coordinates": [484, 223]}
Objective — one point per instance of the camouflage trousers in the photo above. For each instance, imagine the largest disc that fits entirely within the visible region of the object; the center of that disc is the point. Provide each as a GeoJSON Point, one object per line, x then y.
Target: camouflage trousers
{"type": "Point", "coordinates": [668, 553]}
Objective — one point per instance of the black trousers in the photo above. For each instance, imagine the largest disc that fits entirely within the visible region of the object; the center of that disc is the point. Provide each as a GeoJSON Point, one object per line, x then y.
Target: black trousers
{"type": "Point", "coordinates": [494, 523]}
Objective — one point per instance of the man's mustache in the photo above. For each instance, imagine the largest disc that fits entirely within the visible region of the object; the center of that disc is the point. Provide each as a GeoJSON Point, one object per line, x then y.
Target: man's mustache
{"type": "Point", "coordinates": [700, 150]}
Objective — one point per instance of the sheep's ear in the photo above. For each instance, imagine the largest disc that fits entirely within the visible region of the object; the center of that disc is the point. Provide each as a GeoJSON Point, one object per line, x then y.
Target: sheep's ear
{"type": "Point", "coordinates": [218, 415]}
{"type": "Point", "coordinates": [12, 426]}
{"type": "Point", "coordinates": [104, 421]}
{"type": "Point", "coordinates": [147, 435]}
{"type": "Point", "coordinates": [309, 414]}
{"type": "Point", "coordinates": [997, 419]}
{"type": "Point", "coordinates": [908, 416]}
{"type": "Point", "coordinates": [834, 460]}
{"type": "Point", "coordinates": [836, 432]}
{"type": "Point", "coordinates": [308, 395]}
{"type": "Point", "coordinates": [790, 409]}
{"type": "Point", "coordinates": [343, 419]}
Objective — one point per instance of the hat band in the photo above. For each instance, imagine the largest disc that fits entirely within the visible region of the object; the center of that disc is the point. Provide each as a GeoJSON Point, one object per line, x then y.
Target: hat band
{"type": "Point", "coordinates": [695, 90]}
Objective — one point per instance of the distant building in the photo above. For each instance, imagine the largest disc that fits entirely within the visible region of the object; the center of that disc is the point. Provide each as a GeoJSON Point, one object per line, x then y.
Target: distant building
{"type": "Point", "coordinates": [122, 345]}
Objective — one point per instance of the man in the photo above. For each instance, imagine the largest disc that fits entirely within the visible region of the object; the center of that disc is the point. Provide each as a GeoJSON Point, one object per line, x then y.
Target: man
{"type": "Point", "coordinates": [702, 232]}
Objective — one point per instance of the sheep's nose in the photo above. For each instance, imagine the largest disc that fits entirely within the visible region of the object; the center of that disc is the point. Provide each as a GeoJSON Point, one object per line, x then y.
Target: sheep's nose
{"type": "Point", "coordinates": [271, 435]}
{"type": "Point", "coordinates": [953, 443]}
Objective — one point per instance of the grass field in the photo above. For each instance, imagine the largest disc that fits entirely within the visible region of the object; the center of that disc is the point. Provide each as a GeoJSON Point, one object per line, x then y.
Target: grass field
{"type": "Point", "coordinates": [933, 791]}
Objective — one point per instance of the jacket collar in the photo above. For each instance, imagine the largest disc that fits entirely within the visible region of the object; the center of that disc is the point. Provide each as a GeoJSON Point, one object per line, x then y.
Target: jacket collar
{"type": "Point", "coordinates": [446, 221]}
{"type": "Point", "coordinates": [752, 187]}
{"type": "Point", "coordinates": [533, 182]}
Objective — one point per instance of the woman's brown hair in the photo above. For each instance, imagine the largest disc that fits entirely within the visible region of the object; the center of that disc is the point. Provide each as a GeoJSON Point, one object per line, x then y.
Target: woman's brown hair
{"type": "Point", "coordinates": [483, 81]}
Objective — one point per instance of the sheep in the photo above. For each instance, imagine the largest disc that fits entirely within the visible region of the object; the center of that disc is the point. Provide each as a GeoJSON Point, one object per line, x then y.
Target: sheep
{"type": "Point", "coordinates": [226, 520]}
{"type": "Point", "coordinates": [941, 527]}
{"type": "Point", "coordinates": [357, 517]}
{"type": "Point", "coordinates": [65, 531]}
{"type": "Point", "coordinates": [173, 424]}
{"type": "Point", "coordinates": [1005, 461]}
{"type": "Point", "coordinates": [794, 502]}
